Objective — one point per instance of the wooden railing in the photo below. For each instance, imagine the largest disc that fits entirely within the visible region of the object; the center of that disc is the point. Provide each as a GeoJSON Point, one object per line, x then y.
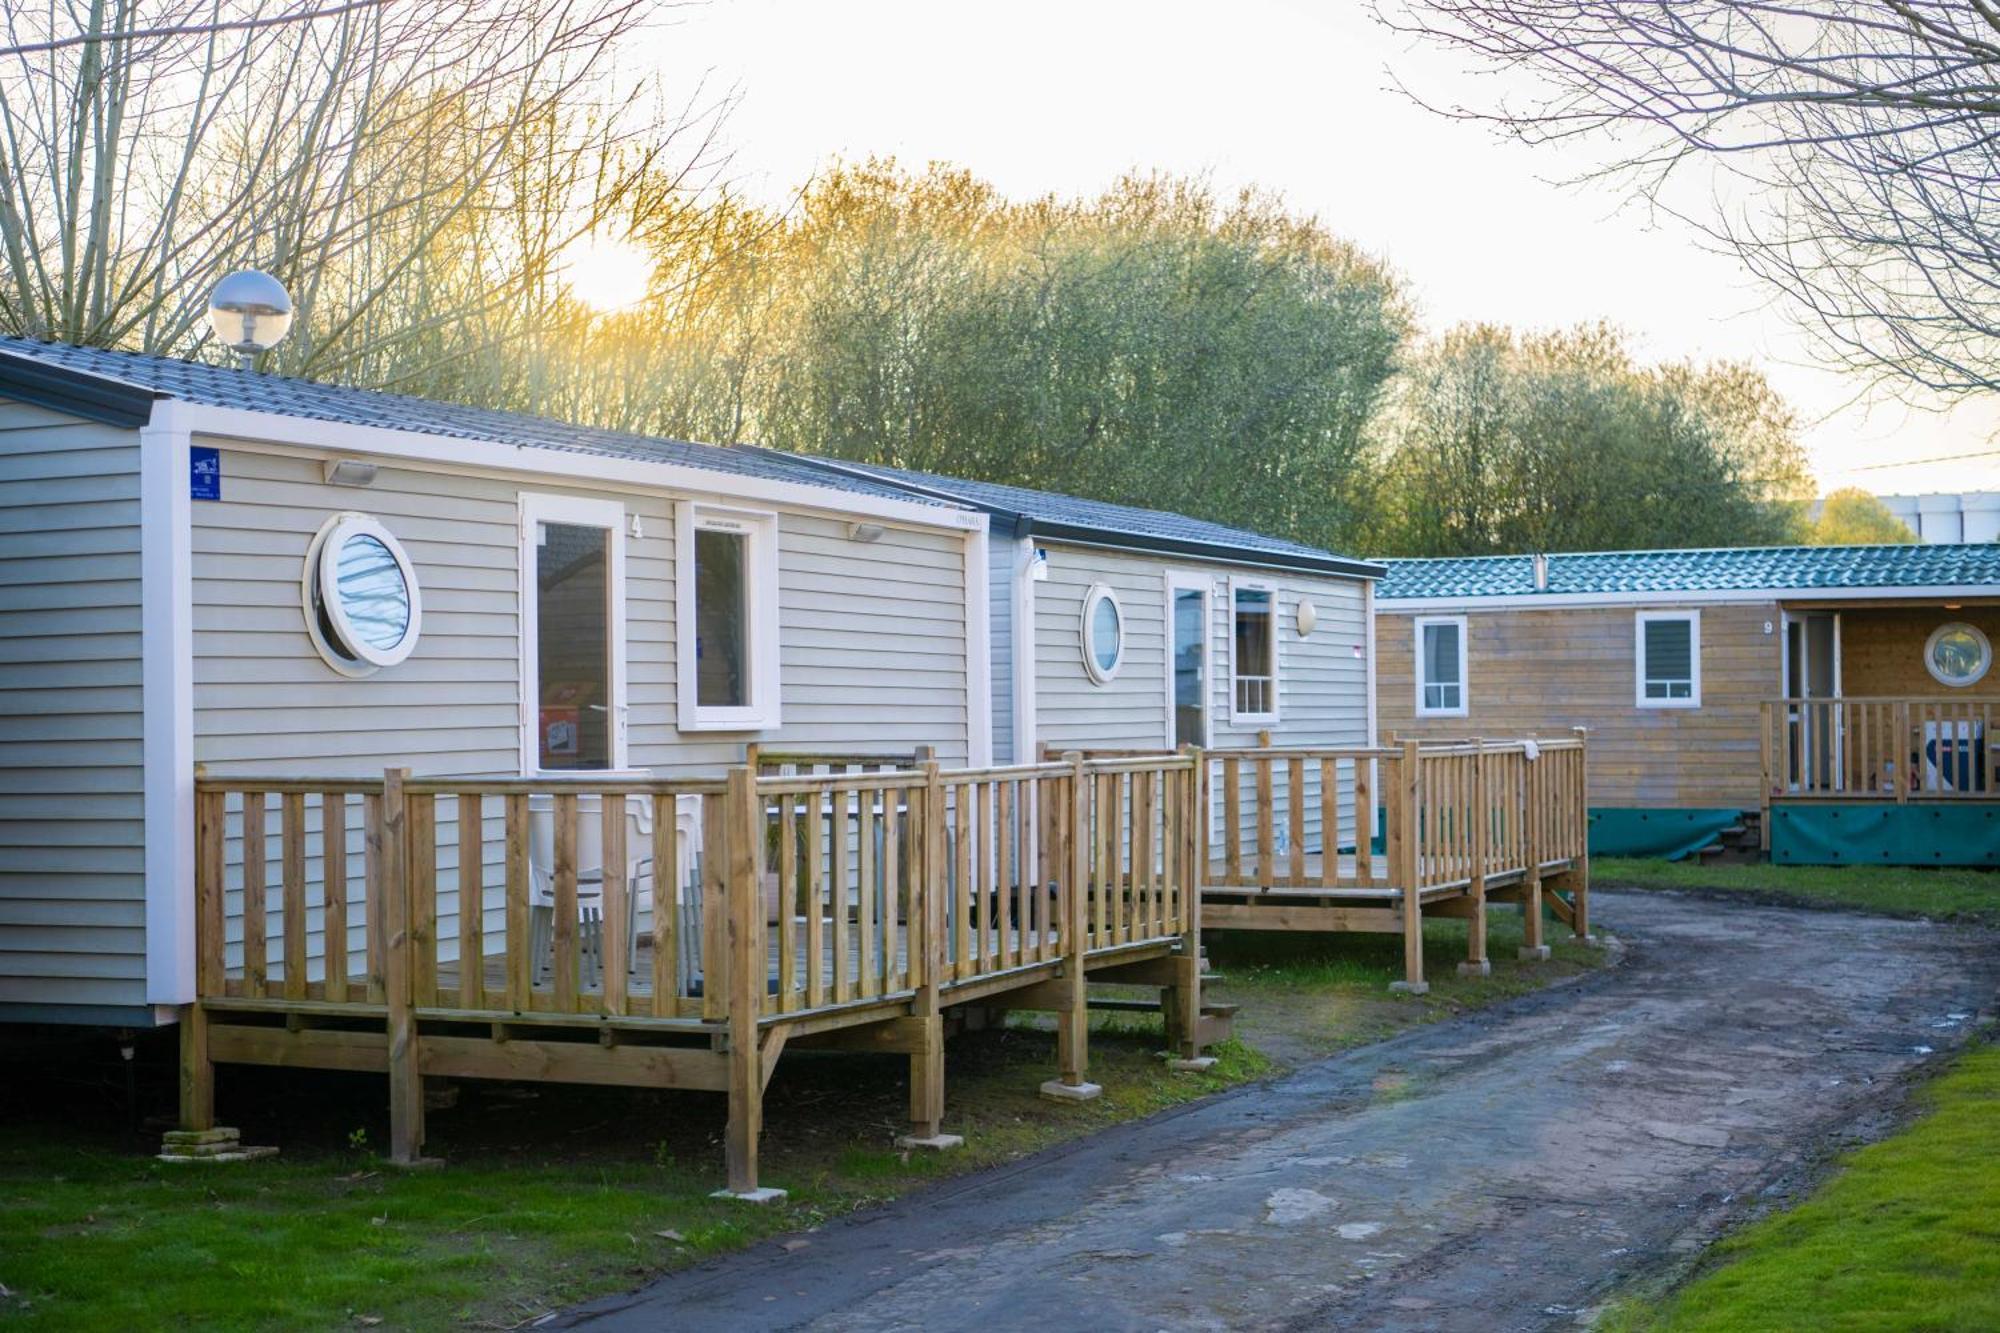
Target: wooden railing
{"type": "Point", "coordinates": [1884, 749]}
{"type": "Point", "coordinates": [791, 893]}
{"type": "Point", "coordinates": [1488, 808]}
{"type": "Point", "coordinates": [1429, 813]}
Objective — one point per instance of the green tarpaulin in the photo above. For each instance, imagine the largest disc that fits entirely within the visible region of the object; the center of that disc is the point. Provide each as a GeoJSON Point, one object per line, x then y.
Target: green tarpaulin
{"type": "Point", "coordinates": [1886, 834]}
{"type": "Point", "coordinates": [1672, 834]}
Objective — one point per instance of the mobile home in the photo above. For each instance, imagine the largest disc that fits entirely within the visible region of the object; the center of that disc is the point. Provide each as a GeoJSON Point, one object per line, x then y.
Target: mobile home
{"type": "Point", "coordinates": [1839, 696]}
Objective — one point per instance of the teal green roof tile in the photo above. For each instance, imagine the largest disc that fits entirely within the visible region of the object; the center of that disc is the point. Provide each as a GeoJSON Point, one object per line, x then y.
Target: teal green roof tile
{"type": "Point", "coordinates": [1729, 569]}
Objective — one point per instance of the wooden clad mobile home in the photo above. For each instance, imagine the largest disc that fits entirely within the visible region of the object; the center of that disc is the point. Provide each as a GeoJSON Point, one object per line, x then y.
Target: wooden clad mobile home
{"type": "Point", "coordinates": [1806, 687]}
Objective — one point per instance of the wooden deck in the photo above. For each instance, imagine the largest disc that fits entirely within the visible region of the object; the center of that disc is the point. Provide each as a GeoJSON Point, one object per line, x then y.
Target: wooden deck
{"type": "Point", "coordinates": [906, 893]}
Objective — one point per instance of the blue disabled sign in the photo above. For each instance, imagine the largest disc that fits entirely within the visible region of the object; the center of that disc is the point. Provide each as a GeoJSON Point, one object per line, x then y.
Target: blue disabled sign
{"type": "Point", "coordinates": [205, 473]}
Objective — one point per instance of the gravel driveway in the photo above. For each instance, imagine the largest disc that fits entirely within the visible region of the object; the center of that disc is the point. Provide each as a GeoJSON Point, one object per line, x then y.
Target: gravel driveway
{"type": "Point", "coordinates": [1499, 1171]}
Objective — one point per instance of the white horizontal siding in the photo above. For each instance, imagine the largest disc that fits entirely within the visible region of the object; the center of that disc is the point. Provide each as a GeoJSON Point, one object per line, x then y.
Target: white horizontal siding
{"type": "Point", "coordinates": [871, 648]}
{"type": "Point", "coordinates": [72, 881]}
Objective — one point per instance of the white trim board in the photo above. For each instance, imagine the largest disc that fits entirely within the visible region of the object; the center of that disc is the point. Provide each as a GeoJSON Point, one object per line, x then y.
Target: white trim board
{"type": "Point", "coordinates": [340, 437]}
{"type": "Point", "coordinates": [978, 651]}
{"type": "Point", "coordinates": [166, 542]}
{"type": "Point", "coordinates": [1021, 645]}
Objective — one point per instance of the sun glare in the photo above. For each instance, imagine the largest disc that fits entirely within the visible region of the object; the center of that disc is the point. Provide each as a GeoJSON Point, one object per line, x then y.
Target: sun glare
{"type": "Point", "coordinates": [606, 273]}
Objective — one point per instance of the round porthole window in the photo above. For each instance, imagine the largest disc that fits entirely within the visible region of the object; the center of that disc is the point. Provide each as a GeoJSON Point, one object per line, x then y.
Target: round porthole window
{"type": "Point", "coordinates": [363, 611]}
{"type": "Point", "coordinates": [1958, 654]}
{"type": "Point", "coordinates": [1103, 633]}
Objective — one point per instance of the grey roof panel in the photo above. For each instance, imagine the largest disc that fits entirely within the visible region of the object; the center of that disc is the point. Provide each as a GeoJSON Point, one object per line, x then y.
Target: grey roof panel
{"type": "Point", "coordinates": [26, 363]}
{"type": "Point", "coordinates": [1724, 569]}
{"type": "Point", "coordinates": [1081, 519]}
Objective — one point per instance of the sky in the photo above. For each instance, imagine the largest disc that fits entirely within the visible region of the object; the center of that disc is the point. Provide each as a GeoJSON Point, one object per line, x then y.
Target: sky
{"type": "Point", "coordinates": [1300, 98]}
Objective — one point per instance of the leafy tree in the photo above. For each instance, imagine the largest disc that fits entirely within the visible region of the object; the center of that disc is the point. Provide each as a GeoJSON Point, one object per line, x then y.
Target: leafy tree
{"type": "Point", "coordinates": [1852, 517]}
{"type": "Point", "coordinates": [1501, 443]}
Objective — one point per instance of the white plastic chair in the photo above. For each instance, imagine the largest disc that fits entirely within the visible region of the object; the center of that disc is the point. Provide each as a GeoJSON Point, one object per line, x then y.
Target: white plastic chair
{"type": "Point", "coordinates": [589, 883]}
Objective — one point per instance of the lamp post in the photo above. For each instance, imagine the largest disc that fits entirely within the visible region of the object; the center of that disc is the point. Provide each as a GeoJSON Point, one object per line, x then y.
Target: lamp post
{"type": "Point", "coordinates": [250, 312]}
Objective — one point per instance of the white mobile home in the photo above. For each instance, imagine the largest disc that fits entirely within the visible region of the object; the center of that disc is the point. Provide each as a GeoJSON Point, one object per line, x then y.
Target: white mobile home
{"type": "Point", "coordinates": [254, 574]}
{"type": "Point", "coordinates": [1122, 628]}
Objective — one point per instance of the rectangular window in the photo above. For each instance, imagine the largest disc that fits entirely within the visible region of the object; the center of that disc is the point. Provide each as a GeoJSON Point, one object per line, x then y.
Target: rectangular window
{"type": "Point", "coordinates": [1253, 653]}
{"type": "Point", "coordinates": [573, 633]}
{"type": "Point", "coordinates": [727, 618]}
{"type": "Point", "coordinates": [1669, 659]}
{"type": "Point", "coordinates": [1441, 685]}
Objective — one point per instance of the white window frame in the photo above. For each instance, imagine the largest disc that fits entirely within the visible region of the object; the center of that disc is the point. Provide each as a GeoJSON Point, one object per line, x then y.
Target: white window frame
{"type": "Point", "coordinates": [1237, 715]}
{"type": "Point", "coordinates": [760, 527]}
{"type": "Point", "coordinates": [1418, 658]}
{"type": "Point", "coordinates": [1099, 674]}
{"type": "Point", "coordinates": [1639, 622]}
{"type": "Point", "coordinates": [537, 509]}
{"type": "Point", "coordinates": [360, 659]}
{"type": "Point", "coordinates": [1178, 581]}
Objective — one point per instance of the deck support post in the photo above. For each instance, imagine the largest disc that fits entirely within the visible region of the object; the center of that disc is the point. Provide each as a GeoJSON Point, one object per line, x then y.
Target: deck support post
{"type": "Point", "coordinates": [391, 856]}
{"type": "Point", "coordinates": [744, 958]}
{"type": "Point", "coordinates": [197, 1071]}
{"type": "Point", "coordinates": [1406, 871]}
{"type": "Point", "coordinates": [1476, 963]}
{"type": "Point", "coordinates": [1579, 875]}
{"type": "Point", "coordinates": [1532, 949]}
{"type": "Point", "coordinates": [926, 962]}
{"type": "Point", "coordinates": [1073, 1019]}
{"type": "Point", "coordinates": [1180, 1003]}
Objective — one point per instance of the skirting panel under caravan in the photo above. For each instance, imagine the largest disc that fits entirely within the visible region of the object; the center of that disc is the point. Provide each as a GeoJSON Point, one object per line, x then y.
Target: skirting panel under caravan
{"type": "Point", "coordinates": [1879, 833]}
{"type": "Point", "coordinates": [1672, 834]}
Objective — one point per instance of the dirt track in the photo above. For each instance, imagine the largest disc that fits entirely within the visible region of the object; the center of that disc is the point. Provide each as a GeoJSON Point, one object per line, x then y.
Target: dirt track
{"type": "Point", "coordinates": [1499, 1171]}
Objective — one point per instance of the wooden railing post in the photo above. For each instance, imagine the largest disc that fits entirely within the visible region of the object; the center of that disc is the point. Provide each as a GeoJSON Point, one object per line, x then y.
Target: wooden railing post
{"type": "Point", "coordinates": [1073, 1019]}
{"type": "Point", "coordinates": [1408, 873]}
{"type": "Point", "coordinates": [406, 1084]}
{"type": "Point", "coordinates": [1476, 963]}
{"type": "Point", "coordinates": [1765, 749]}
{"type": "Point", "coordinates": [926, 963]}
{"type": "Point", "coordinates": [1905, 767]}
{"type": "Point", "coordinates": [1580, 867]}
{"type": "Point", "coordinates": [1189, 855]}
{"type": "Point", "coordinates": [1533, 806]}
{"type": "Point", "coordinates": [744, 943]}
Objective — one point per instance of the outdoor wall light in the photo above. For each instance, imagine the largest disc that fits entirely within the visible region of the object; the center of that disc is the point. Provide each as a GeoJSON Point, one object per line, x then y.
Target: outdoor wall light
{"type": "Point", "coordinates": [349, 472]}
{"type": "Point", "coordinates": [865, 532]}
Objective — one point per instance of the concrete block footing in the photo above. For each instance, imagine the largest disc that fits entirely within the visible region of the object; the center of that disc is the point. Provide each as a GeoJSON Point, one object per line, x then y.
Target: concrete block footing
{"type": "Point", "coordinates": [234, 1154]}
{"type": "Point", "coordinates": [217, 1145]}
{"type": "Point", "coordinates": [1482, 968]}
{"type": "Point", "coordinates": [1195, 1066]}
{"type": "Point", "coordinates": [1538, 954]}
{"type": "Point", "coordinates": [1409, 988]}
{"type": "Point", "coordinates": [1588, 941]}
{"type": "Point", "coordinates": [1058, 1091]}
{"type": "Point", "coordinates": [762, 1194]}
{"type": "Point", "coordinates": [932, 1143]}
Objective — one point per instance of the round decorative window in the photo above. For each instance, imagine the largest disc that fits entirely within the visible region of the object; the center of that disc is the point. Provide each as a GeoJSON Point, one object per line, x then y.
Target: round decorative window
{"type": "Point", "coordinates": [1103, 633]}
{"type": "Point", "coordinates": [1958, 654]}
{"type": "Point", "coordinates": [363, 610]}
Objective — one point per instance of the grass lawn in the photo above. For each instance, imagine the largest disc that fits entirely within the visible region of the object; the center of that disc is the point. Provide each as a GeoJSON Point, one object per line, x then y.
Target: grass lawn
{"type": "Point", "coordinates": [1906, 1236]}
{"type": "Point", "coordinates": [1943, 894]}
{"type": "Point", "coordinates": [552, 1194]}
